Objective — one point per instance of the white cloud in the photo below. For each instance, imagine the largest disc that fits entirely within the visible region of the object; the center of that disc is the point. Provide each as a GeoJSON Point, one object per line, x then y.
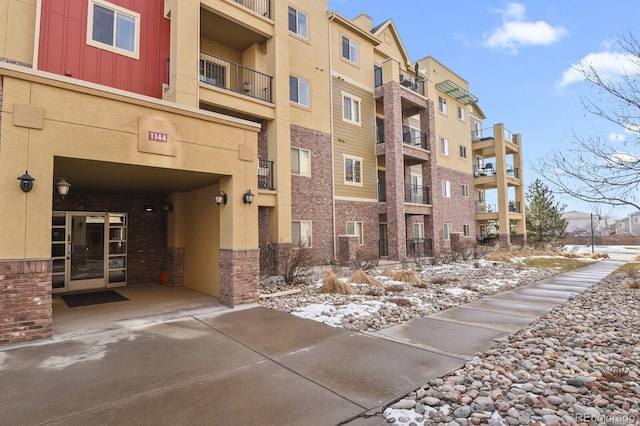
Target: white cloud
{"type": "Point", "coordinates": [608, 65]}
{"type": "Point", "coordinates": [617, 137]}
{"type": "Point", "coordinates": [517, 32]}
{"type": "Point", "coordinates": [622, 159]}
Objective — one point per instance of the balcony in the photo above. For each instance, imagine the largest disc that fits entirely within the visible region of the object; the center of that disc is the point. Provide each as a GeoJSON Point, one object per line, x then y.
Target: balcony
{"type": "Point", "coordinates": [481, 135]}
{"type": "Point", "coordinates": [261, 7]}
{"type": "Point", "coordinates": [265, 174]}
{"type": "Point", "coordinates": [224, 74]}
{"type": "Point", "coordinates": [414, 137]}
{"type": "Point", "coordinates": [419, 247]}
{"type": "Point", "coordinates": [482, 171]}
{"type": "Point", "coordinates": [416, 194]}
{"type": "Point", "coordinates": [406, 79]}
{"type": "Point", "coordinates": [513, 172]}
{"type": "Point", "coordinates": [484, 207]}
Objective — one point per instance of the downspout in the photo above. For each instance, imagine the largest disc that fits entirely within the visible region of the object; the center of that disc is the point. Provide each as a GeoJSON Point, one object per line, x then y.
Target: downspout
{"type": "Point", "coordinates": [333, 183]}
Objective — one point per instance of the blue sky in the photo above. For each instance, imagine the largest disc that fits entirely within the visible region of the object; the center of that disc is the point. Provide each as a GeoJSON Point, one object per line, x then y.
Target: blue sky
{"type": "Point", "coordinates": [518, 59]}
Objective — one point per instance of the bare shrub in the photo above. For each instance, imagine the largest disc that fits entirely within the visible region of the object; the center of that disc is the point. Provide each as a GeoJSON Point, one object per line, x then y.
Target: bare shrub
{"type": "Point", "coordinates": [331, 283]}
{"type": "Point", "coordinates": [447, 257]}
{"type": "Point", "coordinates": [476, 264]}
{"type": "Point", "coordinates": [394, 288]}
{"type": "Point", "coordinates": [469, 286]}
{"type": "Point", "coordinates": [364, 260]}
{"type": "Point", "coordinates": [294, 262]}
{"type": "Point", "coordinates": [615, 374]}
{"type": "Point", "coordinates": [361, 277]}
{"type": "Point", "coordinates": [400, 301]}
{"type": "Point", "coordinates": [406, 276]}
{"type": "Point", "coordinates": [634, 284]}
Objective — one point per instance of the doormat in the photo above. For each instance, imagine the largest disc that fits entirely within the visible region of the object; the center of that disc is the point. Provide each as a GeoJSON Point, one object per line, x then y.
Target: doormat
{"type": "Point", "coordinates": [93, 298]}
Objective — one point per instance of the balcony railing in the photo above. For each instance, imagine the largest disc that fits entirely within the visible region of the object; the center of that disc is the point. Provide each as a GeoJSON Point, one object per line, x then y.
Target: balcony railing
{"type": "Point", "coordinates": [484, 207]}
{"type": "Point", "coordinates": [416, 194]}
{"type": "Point", "coordinates": [414, 137]}
{"type": "Point", "coordinates": [419, 247]}
{"type": "Point", "coordinates": [484, 134]}
{"type": "Point", "coordinates": [228, 75]}
{"type": "Point", "coordinates": [515, 207]}
{"type": "Point", "coordinates": [411, 83]}
{"type": "Point", "coordinates": [486, 170]}
{"type": "Point", "coordinates": [382, 192]}
{"type": "Point", "coordinates": [261, 7]}
{"type": "Point", "coordinates": [265, 174]}
{"type": "Point", "coordinates": [513, 172]}
{"type": "Point", "coordinates": [406, 79]}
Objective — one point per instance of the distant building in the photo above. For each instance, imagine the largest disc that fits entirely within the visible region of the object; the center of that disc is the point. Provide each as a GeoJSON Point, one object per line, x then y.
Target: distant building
{"type": "Point", "coordinates": [579, 223]}
{"type": "Point", "coordinates": [629, 225]}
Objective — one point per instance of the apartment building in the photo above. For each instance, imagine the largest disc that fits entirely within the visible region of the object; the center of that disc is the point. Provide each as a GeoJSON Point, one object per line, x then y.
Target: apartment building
{"type": "Point", "coordinates": [173, 142]}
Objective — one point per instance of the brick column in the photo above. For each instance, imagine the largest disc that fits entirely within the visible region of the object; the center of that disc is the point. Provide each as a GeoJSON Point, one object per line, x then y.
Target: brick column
{"type": "Point", "coordinates": [239, 276]}
{"type": "Point", "coordinates": [175, 266]}
{"type": "Point", "coordinates": [347, 248]}
{"type": "Point", "coordinates": [25, 300]}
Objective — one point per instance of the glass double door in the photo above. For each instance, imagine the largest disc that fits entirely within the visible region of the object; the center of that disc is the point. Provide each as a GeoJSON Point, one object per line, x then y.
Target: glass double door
{"type": "Point", "coordinates": [89, 250]}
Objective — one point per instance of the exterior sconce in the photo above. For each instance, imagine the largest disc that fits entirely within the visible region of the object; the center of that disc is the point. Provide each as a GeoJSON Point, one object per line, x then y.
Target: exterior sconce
{"type": "Point", "coordinates": [220, 197]}
{"type": "Point", "coordinates": [148, 207]}
{"type": "Point", "coordinates": [63, 187]}
{"type": "Point", "coordinates": [247, 197]}
{"type": "Point", "coordinates": [26, 182]}
{"type": "Point", "coordinates": [167, 206]}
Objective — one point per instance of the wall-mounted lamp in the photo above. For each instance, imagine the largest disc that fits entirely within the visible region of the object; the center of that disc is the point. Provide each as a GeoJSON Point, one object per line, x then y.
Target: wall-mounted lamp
{"type": "Point", "coordinates": [220, 197]}
{"type": "Point", "coordinates": [247, 197]}
{"type": "Point", "coordinates": [167, 206]}
{"type": "Point", "coordinates": [63, 187]}
{"type": "Point", "coordinates": [148, 207]}
{"type": "Point", "coordinates": [26, 182]}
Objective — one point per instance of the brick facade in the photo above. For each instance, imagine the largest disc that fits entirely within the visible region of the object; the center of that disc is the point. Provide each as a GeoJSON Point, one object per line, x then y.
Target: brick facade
{"type": "Point", "coordinates": [147, 254]}
{"type": "Point", "coordinates": [312, 197]}
{"type": "Point", "coordinates": [25, 300]}
{"type": "Point", "coordinates": [367, 213]}
{"type": "Point", "coordinates": [175, 266]}
{"type": "Point", "coordinates": [239, 276]}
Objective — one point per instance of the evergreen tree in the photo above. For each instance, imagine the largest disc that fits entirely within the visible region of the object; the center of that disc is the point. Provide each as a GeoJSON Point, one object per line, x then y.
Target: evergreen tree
{"type": "Point", "coordinates": [545, 223]}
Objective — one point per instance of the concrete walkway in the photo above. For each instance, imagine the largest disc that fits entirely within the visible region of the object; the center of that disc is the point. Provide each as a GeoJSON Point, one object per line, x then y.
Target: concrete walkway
{"type": "Point", "coordinates": [257, 366]}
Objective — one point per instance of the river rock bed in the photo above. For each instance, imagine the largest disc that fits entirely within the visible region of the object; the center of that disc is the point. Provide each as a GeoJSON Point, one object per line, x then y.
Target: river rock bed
{"type": "Point", "coordinates": [375, 307]}
{"type": "Point", "coordinates": [578, 364]}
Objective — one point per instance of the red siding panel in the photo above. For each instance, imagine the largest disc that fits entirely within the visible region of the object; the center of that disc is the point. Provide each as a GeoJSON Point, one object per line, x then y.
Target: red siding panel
{"type": "Point", "coordinates": [63, 47]}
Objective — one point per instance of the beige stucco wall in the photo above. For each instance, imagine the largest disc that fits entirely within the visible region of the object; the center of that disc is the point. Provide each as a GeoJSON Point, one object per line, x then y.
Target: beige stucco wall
{"type": "Point", "coordinates": [44, 118]}
{"type": "Point", "coordinates": [17, 21]}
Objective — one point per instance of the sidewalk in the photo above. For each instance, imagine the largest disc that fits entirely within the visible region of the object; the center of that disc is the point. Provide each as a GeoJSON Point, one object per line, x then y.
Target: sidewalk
{"type": "Point", "coordinates": [258, 366]}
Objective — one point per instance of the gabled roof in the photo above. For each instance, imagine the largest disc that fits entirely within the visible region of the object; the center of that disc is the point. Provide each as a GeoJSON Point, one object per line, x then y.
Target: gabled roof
{"type": "Point", "coordinates": [378, 29]}
{"type": "Point", "coordinates": [333, 16]}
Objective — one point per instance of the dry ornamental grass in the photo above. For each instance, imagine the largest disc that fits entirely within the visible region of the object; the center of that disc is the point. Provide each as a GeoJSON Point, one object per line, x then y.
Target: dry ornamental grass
{"type": "Point", "coordinates": [331, 283]}
{"type": "Point", "coordinates": [361, 277]}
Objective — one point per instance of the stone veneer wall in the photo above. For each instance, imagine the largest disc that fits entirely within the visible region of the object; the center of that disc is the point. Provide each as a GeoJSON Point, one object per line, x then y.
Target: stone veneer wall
{"type": "Point", "coordinates": [25, 300]}
{"type": "Point", "coordinates": [239, 276]}
{"type": "Point", "coordinates": [312, 197]}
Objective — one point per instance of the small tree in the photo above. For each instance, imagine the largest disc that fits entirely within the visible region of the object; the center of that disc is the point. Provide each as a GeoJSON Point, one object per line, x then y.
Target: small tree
{"type": "Point", "coordinates": [545, 223]}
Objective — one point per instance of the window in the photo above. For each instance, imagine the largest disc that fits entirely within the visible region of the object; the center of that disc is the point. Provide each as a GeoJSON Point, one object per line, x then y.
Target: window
{"type": "Point", "coordinates": [113, 28]}
{"type": "Point", "coordinates": [301, 233]}
{"type": "Point", "coordinates": [477, 131]}
{"type": "Point", "coordinates": [444, 146]}
{"type": "Point", "coordinates": [465, 190]}
{"type": "Point", "coordinates": [446, 231]}
{"type": "Point", "coordinates": [418, 230]}
{"type": "Point", "coordinates": [463, 151]}
{"type": "Point", "coordinates": [442, 105]}
{"type": "Point", "coordinates": [446, 189]}
{"type": "Point", "coordinates": [466, 230]}
{"type": "Point", "coordinates": [352, 170]}
{"type": "Point", "coordinates": [298, 22]}
{"type": "Point", "coordinates": [349, 50]}
{"type": "Point", "coordinates": [636, 219]}
{"type": "Point", "coordinates": [300, 162]}
{"type": "Point", "coordinates": [299, 91]}
{"type": "Point", "coordinates": [355, 228]}
{"type": "Point", "coordinates": [460, 113]}
{"type": "Point", "coordinates": [350, 109]}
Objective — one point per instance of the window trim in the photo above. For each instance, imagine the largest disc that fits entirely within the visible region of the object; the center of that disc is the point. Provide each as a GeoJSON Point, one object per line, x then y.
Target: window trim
{"type": "Point", "coordinates": [308, 91]}
{"type": "Point", "coordinates": [465, 190]}
{"type": "Point", "coordinates": [442, 105]}
{"type": "Point", "coordinates": [463, 151]}
{"type": "Point", "coordinates": [355, 159]}
{"type": "Point", "coordinates": [352, 100]}
{"type": "Point", "coordinates": [306, 222]}
{"type": "Point", "coordinates": [360, 225]}
{"type": "Point", "coordinates": [461, 114]}
{"type": "Point", "coordinates": [297, 30]}
{"type": "Point", "coordinates": [446, 189]}
{"type": "Point", "coordinates": [352, 44]}
{"type": "Point", "coordinates": [466, 230]}
{"type": "Point", "coordinates": [300, 168]}
{"type": "Point", "coordinates": [446, 229]}
{"type": "Point", "coordinates": [444, 146]}
{"type": "Point", "coordinates": [135, 54]}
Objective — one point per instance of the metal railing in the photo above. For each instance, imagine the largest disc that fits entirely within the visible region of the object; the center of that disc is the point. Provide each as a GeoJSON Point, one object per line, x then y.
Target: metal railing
{"type": "Point", "coordinates": [484, 134]}
{"type": "Point", "coordinates": [382, 192]}
{"type": "Point", "coordinates": [419, 247]}
{"type": "Point", "coordinates": [484, 207]}
{"type": "Point", "coordinates": [261, 7]}
{"type": "Point", "coordinates": [414, 137]}
{"type": "Point", "coordinates": [513, 172]}
{"type": "Point", "coordinates": [225, 74]}
{"type": "Point", "coordinates": [410, 82]}
{"type": "Point", "coordinates": [515, 207]}
{"type": "Point", "coordinates": [416, 194]}
{"type": "Point", "coordinates": [486, 170]}
{"type": "Point", "coordinates": [265, 174]}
